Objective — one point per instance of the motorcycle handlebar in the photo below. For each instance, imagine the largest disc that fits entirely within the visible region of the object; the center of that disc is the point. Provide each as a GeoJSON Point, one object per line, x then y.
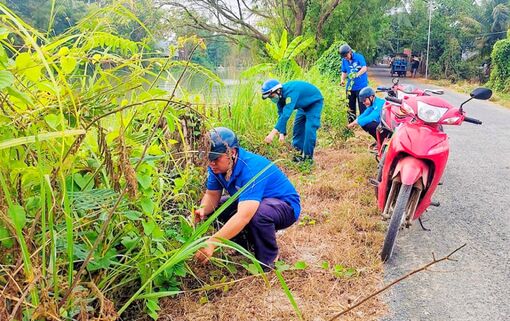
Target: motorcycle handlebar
{"type": "Point", "coordinates": [394, 100]}
{"type": "Point", "coordinates": [472, 120]}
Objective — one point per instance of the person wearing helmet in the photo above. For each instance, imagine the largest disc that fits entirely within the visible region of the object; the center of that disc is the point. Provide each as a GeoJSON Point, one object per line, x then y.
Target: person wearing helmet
{"type": "Point", "coordinates": [267, 204]}
{"type": "Point", "coordinates": [371, 117]}
{"type": "Point", "coordinates": [308, 101]}
{"type": "Point", "coordinates": [354, 69]}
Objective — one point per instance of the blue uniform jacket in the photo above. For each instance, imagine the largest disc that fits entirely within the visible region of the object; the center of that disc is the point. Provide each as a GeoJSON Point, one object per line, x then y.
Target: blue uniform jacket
{"type": "Point", "coordinates": [355, 65]}
{"type": "Point", "coordinates": [296, 94]}
{"type": "Point", "coordinates": [372, 113]}
{"type": "Point", "coordinates": [271, 184]}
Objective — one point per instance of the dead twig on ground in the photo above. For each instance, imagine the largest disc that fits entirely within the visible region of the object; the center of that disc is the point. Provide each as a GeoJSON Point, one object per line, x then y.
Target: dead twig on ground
{"type": "Point", "coordinates": [426, 266]}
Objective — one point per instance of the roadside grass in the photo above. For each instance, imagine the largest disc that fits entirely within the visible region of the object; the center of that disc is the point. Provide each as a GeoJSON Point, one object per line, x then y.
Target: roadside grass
{"type": "Point", "coordinates": [329, 258]}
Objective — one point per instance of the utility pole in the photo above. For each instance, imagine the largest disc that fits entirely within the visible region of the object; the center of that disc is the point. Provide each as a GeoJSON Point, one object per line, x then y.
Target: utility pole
{"type": "Point", "coordinates": [428, 41]}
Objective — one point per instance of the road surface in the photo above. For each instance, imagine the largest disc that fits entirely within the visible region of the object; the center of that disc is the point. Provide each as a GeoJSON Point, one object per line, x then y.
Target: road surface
{"type": "Point", "coordinates": [475, 209]}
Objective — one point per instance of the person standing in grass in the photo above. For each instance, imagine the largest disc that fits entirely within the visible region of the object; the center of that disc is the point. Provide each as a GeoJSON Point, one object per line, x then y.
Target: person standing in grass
{"type": "Point", "coordinates": [308, 100]}
{"type": "Point", "coordinates": [371, 117]}
{"type": "Point", "coordinates": [354, 69]}
{"type": "Point", "coordinates": [268, 204]}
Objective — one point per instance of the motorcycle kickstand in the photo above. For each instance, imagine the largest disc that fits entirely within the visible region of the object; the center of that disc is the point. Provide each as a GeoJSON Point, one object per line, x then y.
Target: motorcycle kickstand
{"type": "Point", "coordinates": [423, 227]}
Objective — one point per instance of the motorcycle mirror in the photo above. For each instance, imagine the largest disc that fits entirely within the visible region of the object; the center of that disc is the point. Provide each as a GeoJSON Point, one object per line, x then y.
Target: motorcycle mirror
{"type": "Point", "coordinates": [435, 91]}
{"type": "Point", "coordinates": [481, 93]}
{"type": "Point", "coordinates": [395, 81]}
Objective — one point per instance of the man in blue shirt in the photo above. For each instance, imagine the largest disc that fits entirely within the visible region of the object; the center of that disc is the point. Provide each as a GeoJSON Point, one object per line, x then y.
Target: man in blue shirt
{"type": "Point", "coordinates": [308, 101]}
{"type": "Point", "coordinates": [268, 204]}
{"type": "Point", "coordinates": [354, 69]}
{"type": "Point", "coordinates": [371, 117]}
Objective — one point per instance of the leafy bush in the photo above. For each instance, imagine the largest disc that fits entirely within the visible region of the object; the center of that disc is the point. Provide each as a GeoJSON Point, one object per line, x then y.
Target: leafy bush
{"type": "Point", "coordinates": [330, 63]}
{"type": "Point", "coordinates": [500, 73]}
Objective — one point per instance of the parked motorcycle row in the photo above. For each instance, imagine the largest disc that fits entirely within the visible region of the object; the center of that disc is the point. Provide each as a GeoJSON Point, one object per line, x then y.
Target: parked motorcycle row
{"type": "Point", "coordinates": [412, 151]}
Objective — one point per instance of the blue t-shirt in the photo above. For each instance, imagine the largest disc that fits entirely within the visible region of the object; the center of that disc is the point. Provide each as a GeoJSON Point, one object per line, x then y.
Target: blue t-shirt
{"type": "Point", "coordinates": [271, 184]}
{"type": "Point", "coordinates": [372, 113]}
{"type": "Point", "coordinates": [296, 94]}
{"type": "Point", "coordinates": [357, 62]}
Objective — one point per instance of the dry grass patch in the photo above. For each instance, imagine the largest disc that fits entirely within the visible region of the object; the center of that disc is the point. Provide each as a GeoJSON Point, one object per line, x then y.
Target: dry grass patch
{"type": "Point", "coordinates": [339, 237]}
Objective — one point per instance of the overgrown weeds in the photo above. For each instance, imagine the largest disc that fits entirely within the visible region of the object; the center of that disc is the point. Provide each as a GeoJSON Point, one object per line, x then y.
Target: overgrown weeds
{"type": "Point", "coordinates": [100, 167]}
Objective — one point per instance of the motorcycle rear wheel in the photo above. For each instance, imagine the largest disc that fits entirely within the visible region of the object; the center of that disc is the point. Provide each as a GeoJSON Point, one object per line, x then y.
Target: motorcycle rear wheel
{"type": "Point", "coordinates": [396, 221]}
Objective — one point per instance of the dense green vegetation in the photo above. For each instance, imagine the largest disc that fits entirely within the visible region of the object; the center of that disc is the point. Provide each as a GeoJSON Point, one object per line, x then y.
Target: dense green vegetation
{"type": "Point", "coordinates": [100, 166]}
{"type": "Point", "coordinates": [101, 138]}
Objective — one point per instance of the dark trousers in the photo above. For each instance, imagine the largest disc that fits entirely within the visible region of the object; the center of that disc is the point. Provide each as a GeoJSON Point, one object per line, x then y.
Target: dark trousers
{"type": "Point", "coordinates": [260, 233]}
{"type": "Point", "coordinates": [371, 128]}
{"type": "Point", "coordinates": [353, 96]}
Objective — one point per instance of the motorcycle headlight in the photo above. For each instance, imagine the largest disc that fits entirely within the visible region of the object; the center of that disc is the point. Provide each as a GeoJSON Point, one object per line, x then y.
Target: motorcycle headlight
{"type": "Point", "coordinates": [429, 113]}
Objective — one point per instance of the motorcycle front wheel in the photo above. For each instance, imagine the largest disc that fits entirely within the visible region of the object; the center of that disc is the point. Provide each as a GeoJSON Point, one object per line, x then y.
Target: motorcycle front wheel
{"type": "Point", "coordinates": [397, 219]}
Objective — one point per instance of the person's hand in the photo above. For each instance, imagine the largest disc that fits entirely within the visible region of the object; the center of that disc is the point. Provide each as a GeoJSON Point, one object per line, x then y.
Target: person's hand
{"type": "Point", "coordinates": [204, 254]}
{"type": "Point", "coordinates": [269, 138]}
{"type": "Point", "coordinates": [342, 83]}
{"type": "Point", "coordinates": [282, 138]}
{"type": "Point", "coordinates": [199, 214]}
{"type": "Point", "coordinates": [352, 124]}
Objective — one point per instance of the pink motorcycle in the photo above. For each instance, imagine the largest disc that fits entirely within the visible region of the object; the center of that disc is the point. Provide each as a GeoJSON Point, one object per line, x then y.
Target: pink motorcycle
{"type": "Point", "coordinates": [413, 157]}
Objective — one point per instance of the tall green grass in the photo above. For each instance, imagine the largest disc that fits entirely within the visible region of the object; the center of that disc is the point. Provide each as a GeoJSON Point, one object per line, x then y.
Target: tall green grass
{"type": "Point", "coordinates": [98, 167]}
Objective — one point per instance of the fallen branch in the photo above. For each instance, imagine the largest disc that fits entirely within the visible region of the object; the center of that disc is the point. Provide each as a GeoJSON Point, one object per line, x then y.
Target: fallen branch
{"type": "Point", "coordinates": [426, 266]}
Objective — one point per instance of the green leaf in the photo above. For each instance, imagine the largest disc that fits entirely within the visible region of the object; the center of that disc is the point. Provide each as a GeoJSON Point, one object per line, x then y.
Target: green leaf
{"type": "Point", "coordinates": [144, 180]}
{"type": "Point", "coordinates": [283, 44]}
{"type": "Point", "coordinates": [129, 242]}
{"type": "Point", "coordinates": [186, 228]}
{"type": "Point", "coordinates": [350, 272]}
{"type": "Point", "coordinates": [132, 215]}
{"type": "Point", "coordinates": [102, 262]}
{"type": "Point", "coordinates": [325, 265]}
{"type": "Point", "coordinates": [148, 227]}
{"type": "Point", "coordinates": [28, 67]}
{"type": "Point", "coordinates": [6, 79]}
{"type": "Point", "coordinates": [5, 238]}
{"type": "Point", "coordinates": [68, 64]}
{"type": "Point", "coordinates": [4, 33]}
{"type": "Point", "coordinates": [53, 121]}
{"type": "Point", "coordinates": [258, 69]}
{"type": "Point", "coordinates": [153, 307]}
{"type": "Point", "coordinates": [158, 234]}
{"type": "Point", "coordinates": [339, 268]}
{"type": "Point", "coordinates": [80, 180]}
{"type": "Point", "coordinates": [4, 59]}
{"type": "Point", "coordinates": [300, 265]}
{"type": "Point", "coordinates": [46, 136]}
{"type": "Point", "coordinates": [180, 270]}
{"type": "Point", "coordinates": [288, 293]}
{"type": "Point", "coordinates": [147, 205]}
{"type": "Point", "coordinates": [179, 183]}
{"type": "Point", "coordinates": [203, 300]}
{"type": "Point", "coordinates": [293, 52]}
{"type": "Point", "coordinates": [23, 97]}
{"type": "Point", "coordinates": [252, 268]}
{"type": "Point", "coordinates": [18, 216]}
{"type": "Point", "coordinates": [281, 266]}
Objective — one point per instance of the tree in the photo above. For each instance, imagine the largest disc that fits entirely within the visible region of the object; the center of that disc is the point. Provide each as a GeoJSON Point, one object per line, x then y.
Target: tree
{"type": "Point", "coordinates": [495, 21]}
{"type": "Point", "coordinates": [252, 19]}
{"type": "Point", "coordinates": [42, 15]}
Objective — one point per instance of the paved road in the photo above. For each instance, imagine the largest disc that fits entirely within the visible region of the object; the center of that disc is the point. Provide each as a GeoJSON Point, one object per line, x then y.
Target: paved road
{"type": "Point", "coordinates": [475, 209]}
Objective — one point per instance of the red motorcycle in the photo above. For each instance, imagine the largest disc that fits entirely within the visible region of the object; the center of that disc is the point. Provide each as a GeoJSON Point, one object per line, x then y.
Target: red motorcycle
{"type": "Point", "coordinates": [401, 91]}
{"type": "Point", "coordinates": [413, 157]}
